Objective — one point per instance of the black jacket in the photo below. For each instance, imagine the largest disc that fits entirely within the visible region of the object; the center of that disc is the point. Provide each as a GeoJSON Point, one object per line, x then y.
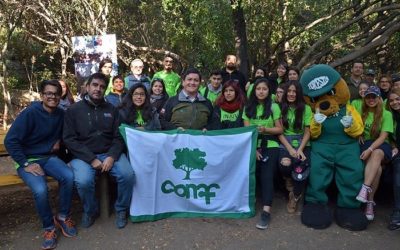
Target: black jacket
{"type": "Point", "coordinates": [92, 129]}
{"type": "Point", "coordinates": [235, 75]}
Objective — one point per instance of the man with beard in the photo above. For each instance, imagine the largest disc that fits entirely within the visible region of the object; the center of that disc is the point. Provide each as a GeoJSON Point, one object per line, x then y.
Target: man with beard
{"type": "Point", "coordinates": [230, 72]}
{"type": "Point", "coordinates": [91, 134]}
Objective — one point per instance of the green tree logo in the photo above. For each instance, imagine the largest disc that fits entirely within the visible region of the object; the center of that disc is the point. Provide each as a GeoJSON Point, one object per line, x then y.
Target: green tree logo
{"type": "Point", "coordinates": [189, 160]}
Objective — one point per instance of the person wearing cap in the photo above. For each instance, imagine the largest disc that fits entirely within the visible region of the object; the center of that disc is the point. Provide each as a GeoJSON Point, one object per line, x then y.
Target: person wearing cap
{"type": "Point", "coordinates": [355, 78]}
{"type": "Point", "coordinates": [370, 77]}
{"type": "Point", "coordinates": [335, 152]}
{"type": "Point", "coordinates": [384, 84]}
{"type": "Point", "coordinates": [294, 152]}
{"type": "Point", "coordinates": [374, 145]}
{"type": "Point", "coordinates": [136, 75]}
{"type": "Point", "coordinates": [171, 79]}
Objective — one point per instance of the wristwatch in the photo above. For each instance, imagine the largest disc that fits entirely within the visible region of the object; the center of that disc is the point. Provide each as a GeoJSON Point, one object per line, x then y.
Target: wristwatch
{"type": "Point", "coordinates": [26, 164]}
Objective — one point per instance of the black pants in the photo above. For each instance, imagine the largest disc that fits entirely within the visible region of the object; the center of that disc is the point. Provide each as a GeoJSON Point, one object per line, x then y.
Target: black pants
{"type": "Point", "coordinates": [286, 171]}
{"type": "Point", "coordinates": [267, 171]}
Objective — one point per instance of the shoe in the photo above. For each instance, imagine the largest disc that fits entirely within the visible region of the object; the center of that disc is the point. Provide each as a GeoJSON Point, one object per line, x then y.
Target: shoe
{"type": "Point", "coordinates": [264, 220]}
{"type": "Point", "coordinates": [87, 220]}
{"type": "Point", "coordinates": [50, 239]}
{"type": "Point", "coordinates": [292, 203]}
{"type": "Point", "coordinates": [66, 226]}
{"type": "Point", "coordinates": [369, 210]}
{"type": "Point", "coordinates": [394, 220]}
{"type": "Point", "coordinates": [121, 219]}
{"type": "Point", "coordinates": [363, 194]}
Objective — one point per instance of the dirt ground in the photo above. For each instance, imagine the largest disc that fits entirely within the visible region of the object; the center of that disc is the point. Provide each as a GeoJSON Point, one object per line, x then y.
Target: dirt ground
{"type": "Point", "coordinates": [20, 229]}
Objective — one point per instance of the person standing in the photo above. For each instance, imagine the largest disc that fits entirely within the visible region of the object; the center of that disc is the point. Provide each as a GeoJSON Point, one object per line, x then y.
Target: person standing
{"type": "Point", "coordinates": [91, 134]}
{"type": "Point", "coordinates": [34, 151]}
{"type": "Point", "coordinates": [213, 88]}
{"type": "Point", "coordinates": [355, 78]}
{"type": "Point", "coordinates": [230, 72]}
{"type": "Point", "coordinates": [171, 79]}
{"type": "Point", "coordinates": [136, 75]}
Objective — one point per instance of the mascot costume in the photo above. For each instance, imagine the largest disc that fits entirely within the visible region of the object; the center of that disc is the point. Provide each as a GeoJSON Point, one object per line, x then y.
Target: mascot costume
{"type": "Point", "coordinates": [335, 152]}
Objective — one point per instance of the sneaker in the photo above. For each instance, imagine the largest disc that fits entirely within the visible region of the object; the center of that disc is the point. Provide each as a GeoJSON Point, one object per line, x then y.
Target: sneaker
{"type": "Point", "coordinates": [363, 194]}
{"type": "Point", "coordinates": [264, 220]}
{"type": "Point", "coordinates": [369, 210]}
{"type": "Point", "coordinates": [394, 220]}
{"type": "Point", "coordinates": [50, 239]}
{"type": "Point", "coordinates": [292, 203]}
{"type": "Point", "coordinates": [121, 219]}
{"type": "Point", "coordinates": [87, 220]}
{"type": "Point", "coordinates": [66, 226]}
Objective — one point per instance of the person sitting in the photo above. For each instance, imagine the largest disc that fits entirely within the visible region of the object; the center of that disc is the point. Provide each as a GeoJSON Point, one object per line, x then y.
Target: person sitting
{"type": "Point", "coordinates": [34, 149]}
{"type": "Point", "coordinates": [91, 134]}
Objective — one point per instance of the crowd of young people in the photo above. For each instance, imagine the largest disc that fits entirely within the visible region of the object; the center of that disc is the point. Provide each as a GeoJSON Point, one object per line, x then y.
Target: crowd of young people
{"type": "Point", "coordinates": [88, 129]}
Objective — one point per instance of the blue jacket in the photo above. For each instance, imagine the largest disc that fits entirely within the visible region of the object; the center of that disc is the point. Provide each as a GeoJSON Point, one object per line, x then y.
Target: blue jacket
{"type": "Point", "coordinates": [34, 133]}
{"type": "Point", "coordinates": [114, 98]}
{"type": "Point", "coordinates": [130, 80]}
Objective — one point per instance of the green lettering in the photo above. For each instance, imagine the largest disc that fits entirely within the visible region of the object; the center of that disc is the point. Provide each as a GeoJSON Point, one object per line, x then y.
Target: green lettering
{"type": "Point", "coordinates": [206, 193]}
{"type": "Point", "coordinates": [183, 192]}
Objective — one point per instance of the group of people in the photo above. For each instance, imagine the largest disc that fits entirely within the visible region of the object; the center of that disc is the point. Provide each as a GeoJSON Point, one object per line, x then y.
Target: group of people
{"type": "Point", "coordinates": [88, 130]}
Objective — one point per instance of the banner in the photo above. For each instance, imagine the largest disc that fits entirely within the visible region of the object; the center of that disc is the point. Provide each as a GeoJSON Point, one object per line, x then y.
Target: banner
{"type": "Point", "coordinates": [90, 50]}
{"type": "Point", "coordinates": [191, 173]}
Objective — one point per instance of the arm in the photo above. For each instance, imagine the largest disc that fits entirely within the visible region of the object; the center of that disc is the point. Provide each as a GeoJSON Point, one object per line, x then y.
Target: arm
{"type": "Point", "coordinates": [287, 145]}
{"type": "Point", "coordinates": [117, 145]}
{"type": "Point", "coordinates": [357, 127]}
{"type": "Point", "coordinates": [276, 130]}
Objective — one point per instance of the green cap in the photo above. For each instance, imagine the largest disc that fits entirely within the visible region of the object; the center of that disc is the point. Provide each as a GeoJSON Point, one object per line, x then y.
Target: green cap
{"type": "Point", "coordinates": [318, 80]}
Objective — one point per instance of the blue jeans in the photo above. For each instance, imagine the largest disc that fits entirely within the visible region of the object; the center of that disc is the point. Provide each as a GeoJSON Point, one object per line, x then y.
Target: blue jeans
{"type": "Point", "coordinates": [85, 174]}
{"type": "Point", "coordinates": [57, 169]}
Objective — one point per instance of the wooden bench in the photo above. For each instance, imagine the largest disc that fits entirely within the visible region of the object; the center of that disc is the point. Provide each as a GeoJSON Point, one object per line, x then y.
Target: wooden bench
{"type": "Point", "coordinates": [3, 151]}
{"type": "Point", "coordinates": [103, 189]}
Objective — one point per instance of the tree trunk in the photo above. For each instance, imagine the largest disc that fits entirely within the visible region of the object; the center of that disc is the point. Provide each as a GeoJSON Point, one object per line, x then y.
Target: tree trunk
{"type": "Point", "coordinates": [6, 94]}
{"type": "Point", "coordinates": [240, 36]}
{"type": "Point", "coordinates": [64, 59]}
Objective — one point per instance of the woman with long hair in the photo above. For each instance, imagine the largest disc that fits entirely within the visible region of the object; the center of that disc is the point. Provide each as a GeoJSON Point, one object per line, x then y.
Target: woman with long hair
{"type": "Point", "coordinates": [294, 151]}
{"type": "Point", "coordinates": [293, 74]}
{"type": "Point", "coordinates": [158, 94]}
{"type": "Point", "coordinates": [393, 105]}
{"type": "Point", "coordinates": [261, 111]}
{"type": "Point", "coordinates": [375, 148]}
{"type": "Point", "coordinates": [67, 99]}
{"type": "Point", "coordinates": [136, 110]}
{"type": "Point", "coordinates": [228, 108]}
{"type": "Point", "coordinates": [105, 67]}
{"type": "Point", "coordinates": [282, 72]}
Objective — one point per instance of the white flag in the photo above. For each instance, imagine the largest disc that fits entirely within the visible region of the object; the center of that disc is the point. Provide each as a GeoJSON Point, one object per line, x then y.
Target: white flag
{"type": "Point", "coordinates": [191, 173]}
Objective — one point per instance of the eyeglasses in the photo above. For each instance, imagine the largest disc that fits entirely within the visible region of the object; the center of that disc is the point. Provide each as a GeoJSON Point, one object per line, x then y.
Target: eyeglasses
{"type": "Point", "coordinates": [139, 94]}
{"type": "Point", "coordinates": [51, 94]}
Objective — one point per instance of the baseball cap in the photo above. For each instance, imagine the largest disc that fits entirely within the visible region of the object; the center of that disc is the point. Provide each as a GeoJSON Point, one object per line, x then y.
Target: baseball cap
{"type": "Point", "coordinates": [318, 80]}
{"type": "Point", "coordinates": [373, 90]}
{"type": "Point", "coordinates": [370, 72]}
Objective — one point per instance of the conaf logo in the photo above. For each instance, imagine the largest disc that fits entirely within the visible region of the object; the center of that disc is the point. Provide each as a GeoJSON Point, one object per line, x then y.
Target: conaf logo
{"type": "Point", "coordinates": [318, 83]}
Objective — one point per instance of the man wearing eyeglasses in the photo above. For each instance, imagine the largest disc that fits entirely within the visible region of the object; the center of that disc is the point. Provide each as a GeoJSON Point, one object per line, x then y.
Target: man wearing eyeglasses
{"type": "Point", "coordinates": [171, 79]}
{"type": "Point", "coordinates": [33, 141]}
{"type": "Point", "coordinates": [91, 134]}
{"type": "Point", "coordinates": [136, 76]}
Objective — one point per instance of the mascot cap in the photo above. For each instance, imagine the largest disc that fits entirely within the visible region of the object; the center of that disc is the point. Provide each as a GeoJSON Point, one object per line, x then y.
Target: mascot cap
{"type": "Point", "coordinates": [318, 80]}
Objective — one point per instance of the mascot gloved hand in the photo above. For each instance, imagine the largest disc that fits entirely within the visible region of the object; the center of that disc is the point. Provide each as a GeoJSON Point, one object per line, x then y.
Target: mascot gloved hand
{"type": "Point", "coordinates": [335, 153]}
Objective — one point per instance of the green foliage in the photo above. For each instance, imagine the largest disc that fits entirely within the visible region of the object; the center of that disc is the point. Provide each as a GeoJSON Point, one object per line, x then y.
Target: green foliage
{"type": "Point", "coordinates": [189, 160]}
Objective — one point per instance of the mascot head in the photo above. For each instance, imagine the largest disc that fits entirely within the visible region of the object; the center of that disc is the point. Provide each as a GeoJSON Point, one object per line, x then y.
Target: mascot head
{"type": "Point", "coordinates": [324, 89]}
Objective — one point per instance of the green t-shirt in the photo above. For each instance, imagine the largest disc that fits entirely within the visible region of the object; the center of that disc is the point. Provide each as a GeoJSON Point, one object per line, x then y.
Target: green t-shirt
{"type": "Point", "coordinates": [171, 80]}
{"type": "Point", "coordinates": [357, 104]}
{"type": "Point", "coordinates": [227, 116]}
{"type": "Point", "coordinates": [211, 95]}
{"type": "Point", "coordinates": [269, 122]}
{"type": "Point", "coordinates": [386, 125]}
{"type": "Point", "coordinates": [139, 119]}
{"type": "Point", "coordinates": [291, 117]}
